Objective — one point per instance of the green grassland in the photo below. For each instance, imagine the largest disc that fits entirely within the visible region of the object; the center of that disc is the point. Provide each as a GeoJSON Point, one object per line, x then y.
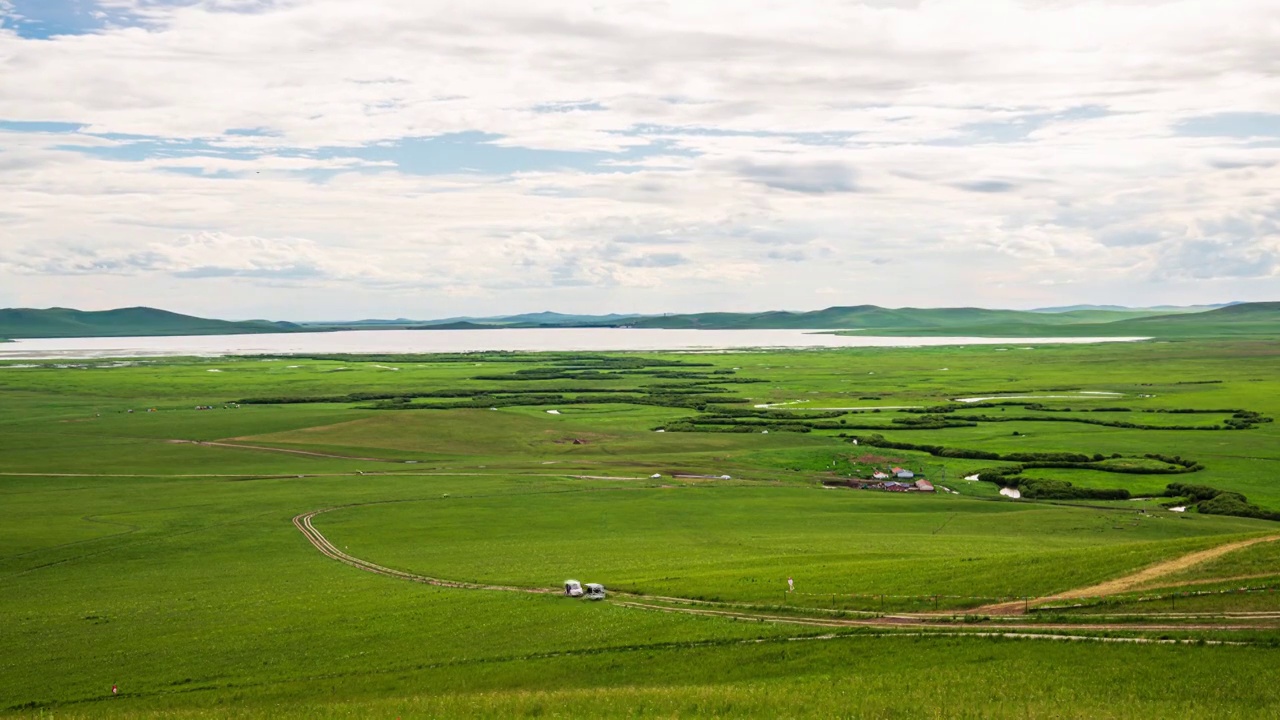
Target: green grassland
{"type": "Point", "coordinates": [741, 543]}
{"type": "Point", "coordinates": [153, 549]}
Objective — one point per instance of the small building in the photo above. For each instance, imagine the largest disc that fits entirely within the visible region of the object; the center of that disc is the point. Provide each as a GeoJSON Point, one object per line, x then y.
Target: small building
{"type": "Point", "coordinates": [880, 476]}
{"type": "Point", "coordinates": [904, 475]}
{"type": "Point", "coordinates": [923, 485]}
{"type": "Point", "coordinates": [892, 486]}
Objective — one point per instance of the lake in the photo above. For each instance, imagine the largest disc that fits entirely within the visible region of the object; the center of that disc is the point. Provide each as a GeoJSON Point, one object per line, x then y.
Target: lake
{"type": "Point", "coordinates": [455, 341]}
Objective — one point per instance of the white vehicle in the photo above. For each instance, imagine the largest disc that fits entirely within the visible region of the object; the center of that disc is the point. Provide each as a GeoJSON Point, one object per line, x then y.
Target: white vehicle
{"type": "Point", "coordinates": [595, 591]}
{"type": "Point", "coordinates": [572, 588]}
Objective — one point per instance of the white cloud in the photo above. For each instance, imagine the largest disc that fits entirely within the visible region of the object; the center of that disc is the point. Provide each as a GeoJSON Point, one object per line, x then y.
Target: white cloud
{"type": "Point", "coordinates": [213, 255]}
{"type": "Point", "coordinates": [806, 142]}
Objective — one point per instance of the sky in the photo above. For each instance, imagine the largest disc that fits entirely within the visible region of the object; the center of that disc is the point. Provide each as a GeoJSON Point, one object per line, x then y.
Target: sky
{"type": "Point", "coordinates": [331, 159]}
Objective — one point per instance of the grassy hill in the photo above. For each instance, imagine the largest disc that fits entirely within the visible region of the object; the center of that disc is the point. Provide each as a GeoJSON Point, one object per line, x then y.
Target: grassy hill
{"type": "Point", "coordinates": [859, 316]}
{"type": "Point", "coordinates": [1242, 319]}
{"type": "Point", "coordinates": [123, 322]}
{"type": "Point", "coordinates": [1232, 320]}
{"type": "Point", "coordinates": [872, 317]}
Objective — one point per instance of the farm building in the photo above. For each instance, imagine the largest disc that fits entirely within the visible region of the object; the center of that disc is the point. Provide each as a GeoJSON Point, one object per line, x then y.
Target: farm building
{"type": "Point", "coordinates": [924, 485]}
{"type": "Point", "coordinates": [904, 474]}
{"type": "Point", "coordinates": [880, 476]}
{"type": "Point", "coordinates": [892, 486]}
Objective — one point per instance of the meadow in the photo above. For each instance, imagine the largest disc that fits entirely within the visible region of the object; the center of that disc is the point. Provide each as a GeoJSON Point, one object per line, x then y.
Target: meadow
{"type": "Point", "coordinates": [148, 544]}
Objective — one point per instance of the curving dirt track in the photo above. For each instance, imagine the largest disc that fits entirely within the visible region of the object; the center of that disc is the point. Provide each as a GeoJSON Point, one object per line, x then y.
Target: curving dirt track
{"type": "Point", "coordinates": [321, 543]}
{"type": "Point", "coordinates": [706, 608]}
{"type": "Point", "coordinates": [1128, 582]}
{"type": "Point", "coordinates": [287, 451]}
{"type": "Point", "coordinates": [1142, 577]}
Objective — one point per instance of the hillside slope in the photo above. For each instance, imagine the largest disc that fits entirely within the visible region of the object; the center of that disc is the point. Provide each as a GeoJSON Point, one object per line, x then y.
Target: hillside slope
{"type": "Point", "coordinates": [1232, 320]}
{"type": "Point", "coordinates": [871, 317]}
{"type": "Point", "coordinates": [1244, 319]}
{"type": "Point", "coordinates": [17, 323]}
{"type": "Point", "coordinates": [1241, 319]}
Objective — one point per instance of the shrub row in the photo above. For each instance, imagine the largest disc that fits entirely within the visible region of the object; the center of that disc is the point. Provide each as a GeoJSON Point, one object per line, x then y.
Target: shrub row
{"type": "Point", "coordinates": [1239, 420]}
{"type": "Point", "coordinates": [494, 355]}
{"type": "Point", "coordinates": [695, 402]}
{"type": "Point", "coordinates": [1045, 489]}
{"type": "Point", "coordinates": [941, 451]}
{"type": "Point", "coordinates": [690, 389]}
{"type": "Point", "coordinates": [1212, 501]}
{"type": "Point", "coordinates": [686, 426]}
{"type": "Point", "coordinates": [751, 422]}
{"type": "Point", "coordinates": [1092, 421]}
{"type": "Point", "coordinates": [777, 414]}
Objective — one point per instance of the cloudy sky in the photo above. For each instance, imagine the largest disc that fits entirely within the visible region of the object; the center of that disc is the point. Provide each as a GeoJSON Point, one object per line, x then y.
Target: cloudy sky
{"type": "Point", "coordinates": [326, 159]}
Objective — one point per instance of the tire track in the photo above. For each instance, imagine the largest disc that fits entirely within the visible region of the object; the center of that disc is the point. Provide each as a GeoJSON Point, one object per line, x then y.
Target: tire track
{"type": "Point", "coordinates": [321, 543]}
{"type": "Point", "coordinates": [709, 609]}
{"type": "Point", "coordinates": [287, 451]}
{"type": "Point", "coordinates": [1128, 582]}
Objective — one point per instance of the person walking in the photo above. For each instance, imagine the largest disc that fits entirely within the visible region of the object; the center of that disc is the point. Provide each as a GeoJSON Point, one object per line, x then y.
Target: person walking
{"type": "Point", "coordinates": [791, 585]}
{"type": "Point", "coordinates": [115, 690]}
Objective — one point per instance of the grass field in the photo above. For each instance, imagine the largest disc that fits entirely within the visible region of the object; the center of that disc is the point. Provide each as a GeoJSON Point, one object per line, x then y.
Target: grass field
{"type": "Point", "coordinates": [154, 549]}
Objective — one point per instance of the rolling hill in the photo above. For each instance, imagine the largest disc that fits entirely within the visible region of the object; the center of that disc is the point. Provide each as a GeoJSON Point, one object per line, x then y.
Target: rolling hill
{"type": "Point", "coordinates": [859, 316]}
{"type": "Point", "coordinates": [18, 323]}
{"type": "Point", "coordinates": [1262, 318]}
{"type": "Point", "coordinates": [525, 320]}
{"type": "Point", "coordinates": [1240, 319]}
{"type": "Point", "coordinates": [1243, 319]}
{"type": "Point", "coordinates": [1236, 319]}
{"type": "Point", "coordinates": [872, 317]}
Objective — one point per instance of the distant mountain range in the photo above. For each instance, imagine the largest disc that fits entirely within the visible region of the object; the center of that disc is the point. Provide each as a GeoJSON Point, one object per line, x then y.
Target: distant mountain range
{"type": "Point", "coordinates": [538, 319]}
{"type": "Point", "coordinates": [124, 322]}
{"type": "Point", "coordinates": [1122, 308]}
{"type": "Point", "coordinates": [1077, 321]}
{"type": "Point", "coordinates": [1234, 319]}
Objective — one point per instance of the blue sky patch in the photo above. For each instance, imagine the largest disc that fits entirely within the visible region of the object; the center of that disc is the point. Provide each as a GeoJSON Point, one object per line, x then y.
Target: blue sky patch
{"type": "Point", "coordinates": [803, 138]}
{"type": "Point", "coordinates": [251, 132]}
{"type": "Point", "coordinates": [464, 152]}
{"type": "Point", "coordinates": [38, 127]}
{"type": "Point", "coordinates": [135, 148]}
{"type": "Point", "coordinates": [454, 153]}
{"type": "Point", "coordinates": [1019, 128]}
{"type": "Point", "coordinates": [1232, 125]}
{"type": "Point", "coordinates": [564, 107]}
{"type": "Point", "coordinates": [44, 19]}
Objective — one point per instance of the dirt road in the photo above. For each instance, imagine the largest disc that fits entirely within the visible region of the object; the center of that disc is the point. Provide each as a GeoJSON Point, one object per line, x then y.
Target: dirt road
{"type": "Point", "coordinates": [264, 448]}
{"type": "Point", "coordinates": [1128, 582]}
{"type": "Point", "coordinates": [321, 543]}
{"type": "Point", "coordinates": [706, 608]}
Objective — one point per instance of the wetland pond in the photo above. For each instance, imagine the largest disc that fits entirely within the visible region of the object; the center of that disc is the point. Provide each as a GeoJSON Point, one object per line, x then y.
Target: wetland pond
{"type": "Point", "coordinates": [460, 341]}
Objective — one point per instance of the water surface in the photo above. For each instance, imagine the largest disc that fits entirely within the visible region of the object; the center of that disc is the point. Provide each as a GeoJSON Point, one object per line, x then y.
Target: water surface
{"type": "Point", "coordinates": [455, 341]}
